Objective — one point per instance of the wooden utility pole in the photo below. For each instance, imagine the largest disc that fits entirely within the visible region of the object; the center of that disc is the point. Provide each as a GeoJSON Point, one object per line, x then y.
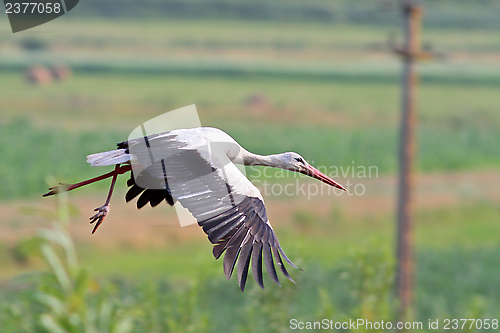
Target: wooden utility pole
{"type": "Point", "coordinates": [410, 52]}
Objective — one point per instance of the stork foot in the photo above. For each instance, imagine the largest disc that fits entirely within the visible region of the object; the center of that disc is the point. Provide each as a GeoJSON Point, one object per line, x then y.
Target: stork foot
{"type": "Point", "coordinates": [57, 189]}
{"type": "Point", "coordinates": [99, 217]}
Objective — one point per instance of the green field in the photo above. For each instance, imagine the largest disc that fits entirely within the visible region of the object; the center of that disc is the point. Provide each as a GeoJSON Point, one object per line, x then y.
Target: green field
{"type": "Point", "coordinates": [159, 290]}
{"type": "Point", "coordinates": [326, 121]}
{"type": "Point", "coordinates": [331, 92]}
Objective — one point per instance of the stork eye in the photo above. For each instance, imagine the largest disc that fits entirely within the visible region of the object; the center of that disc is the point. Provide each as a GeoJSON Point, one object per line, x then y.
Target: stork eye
{"type": "Point", "coordinates": [299, 159]}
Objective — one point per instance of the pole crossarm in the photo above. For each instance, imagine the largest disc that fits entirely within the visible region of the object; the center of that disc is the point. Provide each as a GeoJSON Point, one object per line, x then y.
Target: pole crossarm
{"type": "Point", "coordinates": [408, 54]}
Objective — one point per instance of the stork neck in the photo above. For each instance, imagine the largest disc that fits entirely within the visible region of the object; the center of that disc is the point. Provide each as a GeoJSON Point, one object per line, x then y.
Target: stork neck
{"type": "Point", "coordinates": [264, 160]}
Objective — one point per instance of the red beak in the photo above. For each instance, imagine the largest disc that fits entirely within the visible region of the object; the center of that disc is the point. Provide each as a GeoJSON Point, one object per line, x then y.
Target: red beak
{"type": "Point", "coordinates": [315, 173]}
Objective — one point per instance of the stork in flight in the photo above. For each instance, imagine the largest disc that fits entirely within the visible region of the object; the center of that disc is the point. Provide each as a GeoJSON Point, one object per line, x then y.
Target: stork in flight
{"type": "Point", "coordinates": [196, 167]}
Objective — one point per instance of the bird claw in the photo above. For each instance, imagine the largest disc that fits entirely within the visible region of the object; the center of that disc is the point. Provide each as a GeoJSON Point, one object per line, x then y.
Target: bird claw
{"type": "Point", "coordinates": [51, 192]}
{"type": "Point", "coordinates": [56, 189]}
{"type": "Point", "coordinates": [99, 217]}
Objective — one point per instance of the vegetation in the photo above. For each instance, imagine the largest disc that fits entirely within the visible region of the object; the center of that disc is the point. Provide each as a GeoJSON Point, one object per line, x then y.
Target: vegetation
{"type": "Point", "coordinates": [68, 298]}
{"type": "Point", "coordinates": [324, 87]}
{"type": "Point", "coordinates": [63, 153]}
{"type": "Point", "coordinates": [477, 14]}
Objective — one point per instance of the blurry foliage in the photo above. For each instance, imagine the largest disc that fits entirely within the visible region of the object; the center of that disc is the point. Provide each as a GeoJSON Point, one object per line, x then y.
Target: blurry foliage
{"type": "Point", "coordinates": [367, 276]}
{"type": "Point", "coordinates": [337, 215]}
{"type": "Point", "coordinates": [267, 310]}
{"type": "Point", "coordinates": [33, 44]}
{"type": "Point", "coordinates": [370, 275]}
{"type": "Point", "coordinates": [169, 307]}
{"type": "Point", "coordinates": [38, 151]}
{"type": "Point", "coordinates": [456, 283]}
{"type": "Point", "coordinates": [305, 220]}
{"type": "Point", "coordinates": [442, 13]}
{"type": "Point", "coordinates": [63, 291]}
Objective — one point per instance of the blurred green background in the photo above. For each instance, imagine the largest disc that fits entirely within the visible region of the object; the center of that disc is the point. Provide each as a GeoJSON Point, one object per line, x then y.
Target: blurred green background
{"type": "Point", "coordinates": [318, 78]}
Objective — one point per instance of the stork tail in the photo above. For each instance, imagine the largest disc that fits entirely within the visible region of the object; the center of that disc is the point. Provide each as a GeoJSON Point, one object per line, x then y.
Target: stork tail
{"type": "Point", "coordinates": [112, 157]}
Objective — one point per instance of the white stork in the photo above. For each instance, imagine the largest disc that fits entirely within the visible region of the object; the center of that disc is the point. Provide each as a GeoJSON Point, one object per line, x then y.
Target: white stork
{"type": "Point", "coordinates": [196, 167]}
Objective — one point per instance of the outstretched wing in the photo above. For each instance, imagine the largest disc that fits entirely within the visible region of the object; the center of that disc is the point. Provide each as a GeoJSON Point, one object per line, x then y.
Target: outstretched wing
{"type": "Point", "coordinates": [228, 207]}
{"type": "Point", "coordinates": [235, 222]}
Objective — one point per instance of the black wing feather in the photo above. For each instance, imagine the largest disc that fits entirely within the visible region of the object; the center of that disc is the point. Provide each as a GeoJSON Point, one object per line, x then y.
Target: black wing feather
{"type": "Point", "coordinates": [133, 192]}
{"type": "Point", "coordinates": [157, 197]}
{"type": "Point", "coordinates": [281, 264]}
{"type": "Point", "coordinates": [257, 263]}
{"type": "Point", "coordinates": [268, 259]}
{"type": "Point", "coordinates": [227, 231]}
{"type": "Point", "coordinates": [153, 196]}
{"type": "Point", "coordinates": [244, 261]}
{"type": "Point", "coordinates": [144, 198]}
{"type": "Point", "coordinates": [232, 251]}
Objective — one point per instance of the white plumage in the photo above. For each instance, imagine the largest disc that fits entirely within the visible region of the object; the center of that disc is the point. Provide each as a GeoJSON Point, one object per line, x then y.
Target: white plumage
{"type": "Point", "coordinates": [113, 157]}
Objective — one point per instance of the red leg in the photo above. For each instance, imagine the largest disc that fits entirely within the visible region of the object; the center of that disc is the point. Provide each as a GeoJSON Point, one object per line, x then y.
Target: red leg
{"type": "Point", "coordinates": [104, 209]}
{"type": "Point", "coordinates": [118, 171]}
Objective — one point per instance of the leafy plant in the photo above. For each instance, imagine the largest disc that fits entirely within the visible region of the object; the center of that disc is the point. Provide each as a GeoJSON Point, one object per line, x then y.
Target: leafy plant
{"type": "Point", "coordinates": [370, 274]}
{"type": "Point", "coordinates": [64, 288]}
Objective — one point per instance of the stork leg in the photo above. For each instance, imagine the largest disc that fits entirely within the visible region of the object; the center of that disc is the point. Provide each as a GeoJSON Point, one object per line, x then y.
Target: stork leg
{"type": "Point", "coordinates": [104, 209]}
{"type": "Point", "coordinates": [119, 170]}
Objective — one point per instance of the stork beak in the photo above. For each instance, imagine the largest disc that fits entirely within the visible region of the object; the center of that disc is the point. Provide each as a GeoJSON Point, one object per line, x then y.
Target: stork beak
{"type": "Point", "coordinates": [315, 173]}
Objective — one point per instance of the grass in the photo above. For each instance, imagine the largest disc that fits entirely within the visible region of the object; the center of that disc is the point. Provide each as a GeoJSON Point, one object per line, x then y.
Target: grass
{"type": "Point", "coordinates": [154, 36]}
{"type": "Point", "coordinates": [99, 100]}
{"type": "Point", "coordinates": [357, 287]}
{"type": "Point", "coordinates": [347, 273]}
{"type": "Point", "coordinates": [458, 282]}
{"type": "Point", "coordinates": [330, 119]}
{"type": "Point", "coordinates": [62, 154]}
{"type": "Point", "coordinates": [455, 14]}
{"type": "Point", "coordinates": [307, 238]}
{"type": "Point", "coordinates": [350, 121]}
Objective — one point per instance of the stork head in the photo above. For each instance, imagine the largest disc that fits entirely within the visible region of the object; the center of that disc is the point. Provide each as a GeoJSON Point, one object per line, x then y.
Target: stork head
{"type": "Point", "coordinates": [294, 162]}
